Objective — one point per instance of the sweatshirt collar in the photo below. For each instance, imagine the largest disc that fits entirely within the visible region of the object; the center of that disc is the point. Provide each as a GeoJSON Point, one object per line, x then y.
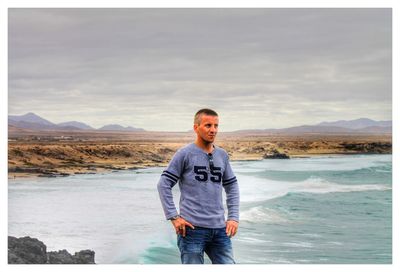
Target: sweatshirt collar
{"type": "Point", "coordinates": [202, 151]}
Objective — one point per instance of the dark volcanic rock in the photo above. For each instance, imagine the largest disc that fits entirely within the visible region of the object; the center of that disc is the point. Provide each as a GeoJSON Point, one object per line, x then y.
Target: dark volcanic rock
{"type": "Point", "coordinates": [53, 175]}
{"type": "Point", "coordinates": [26, 250]}
{"type": "Point", "coordinates": [374, 148]}
{"type": "Point", "coordinates": [63, 257]}
{"type": "Point", "coordinates": [84, 257]}
{"type": "Point", "coordinates": [275, 154]}
{"type": "Point", "coordinates": [29, 250]}
{"type": "Point", "coordinates": [60, 257]}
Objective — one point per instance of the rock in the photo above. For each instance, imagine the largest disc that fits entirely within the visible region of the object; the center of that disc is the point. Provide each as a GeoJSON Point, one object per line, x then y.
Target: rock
{"type": "Point", "coordinates": [84, 257]}
{"type": "Point", "coordinates": [19, 169]}
{"type": "Point", "coordinates": [372, 148]}
{"type": "Point", "coordinates": [275, 154]}
{"type": "Point", "coordinates": [27, 250]}
{"type": "Point", "coordinates": [14, 259]}
{"type": "Point", "coordinates": [53, 175]}
{"type": "Point", "coordinates": [60, 257]}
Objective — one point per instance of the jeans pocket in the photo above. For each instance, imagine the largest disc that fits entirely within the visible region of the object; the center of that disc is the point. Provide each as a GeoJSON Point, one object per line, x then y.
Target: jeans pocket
{"type": "Point", "coordinates": [223, 238]}
{"type": "Point", "coordinates": [193, 242]}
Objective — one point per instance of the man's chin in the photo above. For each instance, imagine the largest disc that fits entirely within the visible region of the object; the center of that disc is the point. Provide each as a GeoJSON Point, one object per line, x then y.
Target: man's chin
{"type": "Point", "coordinates": [210, 141]}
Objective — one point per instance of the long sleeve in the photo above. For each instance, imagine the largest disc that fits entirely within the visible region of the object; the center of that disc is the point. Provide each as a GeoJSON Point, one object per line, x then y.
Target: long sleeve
{"type": "Point", "coordinates": [168, 179]}
{"type": "Point", "coordinates": [230, 184]}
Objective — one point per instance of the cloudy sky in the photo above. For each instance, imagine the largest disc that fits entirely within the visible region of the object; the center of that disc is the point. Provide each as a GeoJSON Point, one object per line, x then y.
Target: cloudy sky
{"type": "Point", "coordinates": [154, 68]}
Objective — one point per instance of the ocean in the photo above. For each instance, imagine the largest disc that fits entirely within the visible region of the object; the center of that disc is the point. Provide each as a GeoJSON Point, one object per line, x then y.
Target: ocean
{"type": "Point", "coordinates": [322, 209]}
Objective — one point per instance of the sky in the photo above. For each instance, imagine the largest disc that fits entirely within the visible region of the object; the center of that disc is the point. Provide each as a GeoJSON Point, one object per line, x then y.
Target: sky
{"type": "Point", "coordinates": [154, 68]}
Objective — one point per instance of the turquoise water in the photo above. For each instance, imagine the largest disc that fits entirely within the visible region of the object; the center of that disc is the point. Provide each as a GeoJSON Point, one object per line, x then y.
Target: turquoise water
{"type": "Point", "coordinates": [334, 209]}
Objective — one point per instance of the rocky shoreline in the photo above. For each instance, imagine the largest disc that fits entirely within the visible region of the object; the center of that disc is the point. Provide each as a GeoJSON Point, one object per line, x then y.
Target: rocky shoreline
{"type": "Point", "coordinates": [27, 250]}
{"type": "Point", "coordinates": [57, 159]}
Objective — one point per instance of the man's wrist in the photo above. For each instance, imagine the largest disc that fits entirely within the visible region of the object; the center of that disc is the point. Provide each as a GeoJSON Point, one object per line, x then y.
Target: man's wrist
{"type": "Point", "coordinates": [174, 217]}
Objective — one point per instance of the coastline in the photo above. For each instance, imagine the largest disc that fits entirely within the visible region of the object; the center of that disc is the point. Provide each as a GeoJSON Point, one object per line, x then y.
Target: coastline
{"type": "Point", "coordinates": [53, 158]}
{"type": "Point", "coordinates": [26, 176]}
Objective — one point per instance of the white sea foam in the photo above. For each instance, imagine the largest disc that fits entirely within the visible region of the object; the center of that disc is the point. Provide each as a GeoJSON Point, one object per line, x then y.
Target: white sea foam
{"type": "Point", "coordinates": [310, 235]}
{"type": "Point", "coordinates": [262, 214]}
{"type": "Point", "coordinates": [300, 244]}
{"type": "Point", "coordinates": [274, 189]}
{"type": "Point", "coordinates": [320, 186]}
{"type": "Point", "coordinates": [255, 189]}
{"type": "Point", "coordinates": [335, 243]}
{"type": "Point", "coordinates": [251, 240]}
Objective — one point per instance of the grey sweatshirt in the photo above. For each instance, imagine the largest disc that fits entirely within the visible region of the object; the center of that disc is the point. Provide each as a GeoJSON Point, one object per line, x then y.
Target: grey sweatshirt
{"type": "Point", "coordinates": [201, 177]}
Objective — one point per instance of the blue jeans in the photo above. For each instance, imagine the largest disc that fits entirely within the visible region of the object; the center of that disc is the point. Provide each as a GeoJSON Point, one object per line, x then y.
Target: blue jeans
{"type": "Point", "coordinates": [214, 242]}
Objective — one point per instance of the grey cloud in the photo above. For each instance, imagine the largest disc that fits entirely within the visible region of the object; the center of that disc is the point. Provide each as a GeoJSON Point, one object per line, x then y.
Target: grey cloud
{"type": "Point", "coordinates": [135, 65]}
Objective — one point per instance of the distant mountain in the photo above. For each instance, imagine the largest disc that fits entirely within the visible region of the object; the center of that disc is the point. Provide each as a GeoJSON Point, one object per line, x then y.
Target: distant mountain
{"type": "Point", "coordinates": [14, 129]}
{"type": "Point", "coordinates": [315, 129]}
{"type": "Point", "coordinates": [120, 128]}
{"type": "Point", "coordinates": [29, 125]}
{"type": "Point", "coordinates": [319, 130]}
{"type": "Point", "coordinates": [75, 124]}
{"type": "Point", "coordinates": [376, 129]}
{"type": "Point", "coordinates": [357, 124]}
{"type": "Point", "coordinates": [362, 125]}
{"type": "Point", "coordinates": [129, 128]}
{"type": "Point", "coordinates": [35, 122]}
{"type": "Point", "coordinates": [30, 118]}
{"type": "Point", "coordinates": [336, 130]}
{"type": "Point", "coordinates": [32, 121]}
{"type": "Point", "coordinates": [302, 129]}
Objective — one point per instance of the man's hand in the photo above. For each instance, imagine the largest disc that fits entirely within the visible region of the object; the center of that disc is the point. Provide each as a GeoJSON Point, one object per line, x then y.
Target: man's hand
{"type": "Point", "coordinates": [180, 226]}
{"type": "Point", "coordinates": [231, 228]}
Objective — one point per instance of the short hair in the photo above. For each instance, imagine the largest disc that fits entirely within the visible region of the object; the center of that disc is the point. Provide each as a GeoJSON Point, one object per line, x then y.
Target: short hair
{"type": "Point", "coordinates": [198, 114]}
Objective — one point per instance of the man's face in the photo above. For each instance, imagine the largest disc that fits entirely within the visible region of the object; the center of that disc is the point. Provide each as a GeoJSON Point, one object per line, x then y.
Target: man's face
{"type": "Point", "coordinates": [207, 129]}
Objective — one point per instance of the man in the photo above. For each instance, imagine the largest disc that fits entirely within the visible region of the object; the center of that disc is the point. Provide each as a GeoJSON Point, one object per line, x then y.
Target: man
{"type": "Point", "coordinates": [202, 170]}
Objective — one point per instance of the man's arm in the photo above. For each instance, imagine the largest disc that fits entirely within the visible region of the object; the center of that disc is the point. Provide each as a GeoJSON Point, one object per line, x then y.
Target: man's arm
{"type": "Point", "coordinates": [168, 179]}
{"type": "Point", "coordinates": [164, 187]}
{"type": "Point", "coordinates": [231, 187]}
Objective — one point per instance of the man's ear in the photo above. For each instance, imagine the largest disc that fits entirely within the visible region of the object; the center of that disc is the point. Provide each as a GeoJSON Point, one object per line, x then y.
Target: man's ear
{"type": "Point", "coordinates": [195, 126]}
